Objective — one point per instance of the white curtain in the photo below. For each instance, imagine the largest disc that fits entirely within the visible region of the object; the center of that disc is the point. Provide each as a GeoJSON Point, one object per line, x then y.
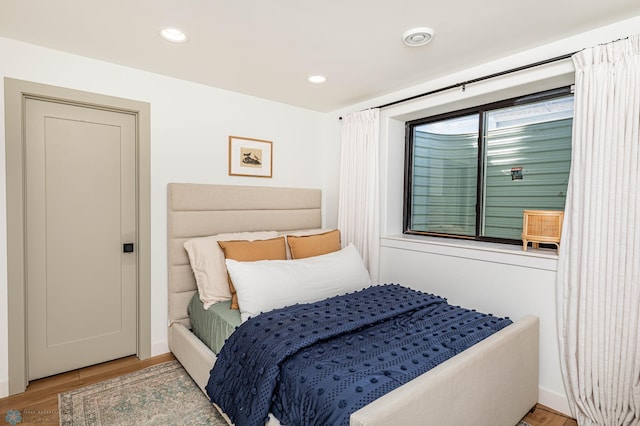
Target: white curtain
{"type": "Point", "coordinates": [358, 209]}
{"type": "Point", "coordinates": [598, 275]}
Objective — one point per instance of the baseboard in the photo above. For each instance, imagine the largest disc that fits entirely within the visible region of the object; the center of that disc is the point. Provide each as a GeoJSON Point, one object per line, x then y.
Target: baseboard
{"type": "Point", "coordinates": [554, 400]}
{"type": "Point", "coordinates": [159, 348]}
{"type": "Point", "coordinates": [4, 388]}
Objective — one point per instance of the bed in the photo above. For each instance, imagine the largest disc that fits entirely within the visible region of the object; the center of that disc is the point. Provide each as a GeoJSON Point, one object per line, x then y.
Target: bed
{"type": "Point", "coordinates": [495, 382]}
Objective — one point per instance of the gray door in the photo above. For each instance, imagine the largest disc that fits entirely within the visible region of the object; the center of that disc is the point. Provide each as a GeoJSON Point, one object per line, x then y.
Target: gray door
{"type": "Point", "coordinates": [80, 210]}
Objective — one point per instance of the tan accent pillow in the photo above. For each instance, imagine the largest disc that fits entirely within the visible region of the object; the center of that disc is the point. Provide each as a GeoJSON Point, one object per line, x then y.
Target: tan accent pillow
{"type": "Point", "coordinates": [249, 251]}
{"type": "Point", "coordinates": [300, 233]}
{"type": "Point", "coordinates": [314, 245]}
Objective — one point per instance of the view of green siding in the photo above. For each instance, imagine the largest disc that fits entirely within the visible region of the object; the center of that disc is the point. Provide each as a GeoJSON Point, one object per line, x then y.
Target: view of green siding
{"type": "Point", "coordinates": [445, 169]}
{"type": "Point", "coordinates": [445, 178]}
{"type": "Point", "coordinates": [543, 151]}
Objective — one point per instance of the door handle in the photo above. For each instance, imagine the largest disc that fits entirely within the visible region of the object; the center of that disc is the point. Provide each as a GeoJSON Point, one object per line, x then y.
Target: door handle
{"type": "Point", "coordinates": [127, 248]}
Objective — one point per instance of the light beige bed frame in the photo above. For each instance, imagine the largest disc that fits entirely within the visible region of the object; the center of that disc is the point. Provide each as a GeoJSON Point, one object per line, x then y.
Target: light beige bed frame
{"type": "Point", "coordinates": [494, 383]}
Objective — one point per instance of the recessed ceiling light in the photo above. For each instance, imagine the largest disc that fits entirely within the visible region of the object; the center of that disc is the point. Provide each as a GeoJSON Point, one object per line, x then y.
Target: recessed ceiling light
{"type": "Point", "coordinates": [417, 36]}
{"type": "Point", "coordinates": [317, 79]}
{"type": "Point", "coordinates": [174, 35]}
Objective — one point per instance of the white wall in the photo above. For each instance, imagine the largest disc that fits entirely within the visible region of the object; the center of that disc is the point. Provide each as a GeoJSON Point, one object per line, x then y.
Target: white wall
{"type": "Point", "coordinates": [489, 277]}
{"type": "Point", "coordinates": [190, 124]}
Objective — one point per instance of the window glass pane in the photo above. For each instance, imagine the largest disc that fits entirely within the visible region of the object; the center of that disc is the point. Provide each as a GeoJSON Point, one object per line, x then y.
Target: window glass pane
{"type": "Point", "coordinates": [524, 158]}
{"type": "Point", "coordinates": [444, 176]}
{"type": "Point", "coordinates": [528, 155]}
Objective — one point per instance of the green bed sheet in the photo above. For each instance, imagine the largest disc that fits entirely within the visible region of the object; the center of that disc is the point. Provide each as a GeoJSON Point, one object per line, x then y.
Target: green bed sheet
{"type": "Point", "coordinates": [215, 324]}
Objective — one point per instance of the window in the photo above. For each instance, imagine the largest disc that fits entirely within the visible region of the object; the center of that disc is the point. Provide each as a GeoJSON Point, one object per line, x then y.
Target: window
{"type": "Point", "coordinates": [471, 173]}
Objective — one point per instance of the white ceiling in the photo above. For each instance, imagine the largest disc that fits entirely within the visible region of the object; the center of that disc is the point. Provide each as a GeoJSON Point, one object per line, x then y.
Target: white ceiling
{"type": "Point", "coordinates": [268, 48]}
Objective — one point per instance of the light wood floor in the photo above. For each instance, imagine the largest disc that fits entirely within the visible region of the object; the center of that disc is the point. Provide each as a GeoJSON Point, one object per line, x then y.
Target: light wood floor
{"type": "Point", "coordinates": [39, 404]}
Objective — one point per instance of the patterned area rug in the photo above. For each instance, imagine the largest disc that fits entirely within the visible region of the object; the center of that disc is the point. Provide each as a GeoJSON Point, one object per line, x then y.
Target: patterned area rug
{"type": "Point", "coordinates": [163, 394]}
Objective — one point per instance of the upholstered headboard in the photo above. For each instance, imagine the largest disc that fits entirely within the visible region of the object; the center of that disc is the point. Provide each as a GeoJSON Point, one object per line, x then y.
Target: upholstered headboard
{"type": "Point", "coordinates": [198, 210]}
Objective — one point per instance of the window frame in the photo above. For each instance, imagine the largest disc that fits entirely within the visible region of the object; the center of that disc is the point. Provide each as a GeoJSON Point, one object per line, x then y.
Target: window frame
{"type": "Point", "coordinates": [481, 110]}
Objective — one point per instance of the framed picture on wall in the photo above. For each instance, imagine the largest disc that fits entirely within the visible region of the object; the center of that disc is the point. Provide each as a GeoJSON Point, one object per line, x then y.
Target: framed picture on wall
{"type": "Point", "coordinates": [250, 157]}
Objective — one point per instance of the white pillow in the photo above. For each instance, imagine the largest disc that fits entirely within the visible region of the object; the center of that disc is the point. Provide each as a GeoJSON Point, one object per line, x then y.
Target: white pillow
{"type": "Point", "coordinates": [207, 261]}
{"type": "Point", "coordinates": [270, 284]}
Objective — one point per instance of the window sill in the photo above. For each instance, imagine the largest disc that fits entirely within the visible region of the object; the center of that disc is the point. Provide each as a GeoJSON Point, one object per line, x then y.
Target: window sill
{"type": "Point", "coordinates": [546, 259]}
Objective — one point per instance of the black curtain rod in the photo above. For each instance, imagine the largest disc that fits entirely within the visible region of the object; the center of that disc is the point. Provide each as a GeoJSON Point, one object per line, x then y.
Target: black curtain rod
{"type": "Point", "coordinates": [476, 80]}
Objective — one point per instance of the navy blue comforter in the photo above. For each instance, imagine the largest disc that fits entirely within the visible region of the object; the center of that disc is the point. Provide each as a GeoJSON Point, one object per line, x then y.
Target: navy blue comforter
{"type": "Point", "coordinates": [316, 363]}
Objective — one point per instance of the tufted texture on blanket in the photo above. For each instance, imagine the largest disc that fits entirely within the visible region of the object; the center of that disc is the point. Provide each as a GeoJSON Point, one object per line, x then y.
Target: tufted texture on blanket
{"type": "Point", "coordinates": [317, 363]}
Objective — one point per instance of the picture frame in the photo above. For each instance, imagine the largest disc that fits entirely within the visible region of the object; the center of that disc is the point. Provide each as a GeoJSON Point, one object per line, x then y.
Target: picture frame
{"type": "Point", "coordinates": [250, 157]}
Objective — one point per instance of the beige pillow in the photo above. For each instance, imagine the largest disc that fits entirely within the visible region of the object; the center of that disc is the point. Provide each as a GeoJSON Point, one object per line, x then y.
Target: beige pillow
{"type": "Point", "coordinates": [248, 251]}
{"type": "Point", "coordinates": [207, 262]}
{"type": "Point", "coordinates": [314, 245]}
